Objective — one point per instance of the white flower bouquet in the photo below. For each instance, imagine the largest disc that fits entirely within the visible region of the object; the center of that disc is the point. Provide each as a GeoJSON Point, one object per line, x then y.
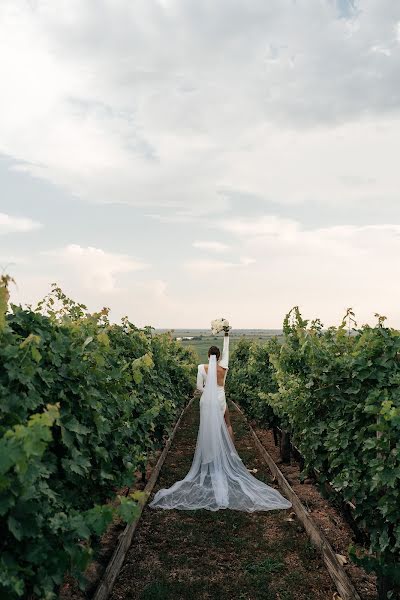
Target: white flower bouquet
{"type": "Point", "coordinates": [219, 325]}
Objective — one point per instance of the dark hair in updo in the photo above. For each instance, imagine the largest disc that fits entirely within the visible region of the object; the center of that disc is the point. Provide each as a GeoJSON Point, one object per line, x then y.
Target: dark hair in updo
{"type": "Point", "coordinates": [214, 350]}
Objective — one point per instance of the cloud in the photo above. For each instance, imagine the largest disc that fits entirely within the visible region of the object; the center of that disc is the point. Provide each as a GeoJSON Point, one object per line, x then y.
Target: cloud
{"type": "Point", "coordinates": [94, 268]}
{"type": "Point", "coordinates": [216, 265]}
{"type": "Point", "coordinates": [352, 163]}
{"type": "Point", "coordinates": [281, 237]}
{"type": "Point", "coordinates": [212, 246]}
{"type": "Point", "coordinates": [255, 124]}
{"type": "Point", "coordinates": [381, 50]}
{"type": "Point", "coordinates": [323, 270]}
{"type": "Point", "coordinates": [178, 217]}
{"type": "Point", "coordinates": [146, 302]}
{"type": "Point", "coordinates": [285, 102]}
{"type": "Point", "coordinates": [10, 224]}
{"type": "Point", "coordinates": [271, 225]}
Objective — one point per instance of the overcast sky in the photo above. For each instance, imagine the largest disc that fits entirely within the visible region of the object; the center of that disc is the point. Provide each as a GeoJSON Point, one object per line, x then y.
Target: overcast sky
{"type": "Point", "coordinates": [181, 160]}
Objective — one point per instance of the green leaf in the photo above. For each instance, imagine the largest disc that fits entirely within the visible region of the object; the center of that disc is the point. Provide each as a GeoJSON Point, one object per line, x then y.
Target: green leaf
{"type": "Point", "coordinates": [87, 341]}
{"type": "Point", "coordinates": [37, 357]}
{"type": "Point", "coordinates": [128, 509]}
{"type": "Point", "coordinates": [72, 424]}
{"type": "Point", "coordinates": [137, 377]}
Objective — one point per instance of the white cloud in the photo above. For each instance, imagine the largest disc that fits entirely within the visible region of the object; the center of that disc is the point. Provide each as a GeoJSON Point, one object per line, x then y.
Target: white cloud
{"type": "Point", "coordinates": [323, 270]}
{"type": "Point", "coordinates": [381, 50]}
{"type": "Point", "coordinates": [270, 104]}
{"type": "Point", "coordinates": [93, 267]}
{"type": "Point", "coordinates": [146, 302]}
{"type": "Point", "coordinates": [178, 217]}
{"type": "Point", "coordinates": [353, 163]}
{"type": "Point", "coordinates": [265, 225]}
{"type": "Point", "coordinates": [205, 266]}
{"type": "Point", "coordinates": [10, 224]}
{"type": "Point", "coordinates": [212, 246]}
{"type": "Point", "coordinates": [282, 237]}
{"type": "Point", "coordinates": [189, 108]}
{"type": "Point", "coordinates": [150, 303]}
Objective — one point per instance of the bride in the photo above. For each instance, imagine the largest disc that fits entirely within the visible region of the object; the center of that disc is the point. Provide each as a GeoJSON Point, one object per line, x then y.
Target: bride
{"type": "Point", "coordinates": [217, 478]}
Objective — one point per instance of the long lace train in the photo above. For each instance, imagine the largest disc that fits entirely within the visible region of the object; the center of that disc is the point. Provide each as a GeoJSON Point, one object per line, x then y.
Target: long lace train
{"type": "Point", "coordinates": [217, 477]}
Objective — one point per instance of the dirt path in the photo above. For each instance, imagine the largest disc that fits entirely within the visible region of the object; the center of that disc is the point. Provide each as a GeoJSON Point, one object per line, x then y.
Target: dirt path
{"type": "Point", "coordinates": [223, 555]}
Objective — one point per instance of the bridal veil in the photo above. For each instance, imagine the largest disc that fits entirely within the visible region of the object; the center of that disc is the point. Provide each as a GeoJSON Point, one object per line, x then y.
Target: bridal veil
{"type": "Point", "coordinates": [217, 478]}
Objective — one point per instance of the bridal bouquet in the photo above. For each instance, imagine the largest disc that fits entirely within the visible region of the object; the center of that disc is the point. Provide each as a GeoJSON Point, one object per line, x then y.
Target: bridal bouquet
{"type": "Point", "coordinates": [219, 325]}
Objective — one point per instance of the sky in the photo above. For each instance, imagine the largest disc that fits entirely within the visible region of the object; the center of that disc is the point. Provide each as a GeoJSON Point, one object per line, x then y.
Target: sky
{"type": "Point", "coordinates": [182, 160]}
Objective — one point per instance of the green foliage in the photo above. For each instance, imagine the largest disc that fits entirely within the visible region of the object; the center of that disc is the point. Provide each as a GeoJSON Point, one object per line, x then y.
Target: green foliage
{"type": "Point", "coordinates": [83, 403]}
{"type": "Point", "coordinates": [338, 391]}
{"type": "Point", "coordinates": [252, 379]}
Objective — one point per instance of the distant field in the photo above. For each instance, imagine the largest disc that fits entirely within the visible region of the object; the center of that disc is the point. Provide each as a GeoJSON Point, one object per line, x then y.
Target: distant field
{"type": "Point", "coordinates": [204, 338]}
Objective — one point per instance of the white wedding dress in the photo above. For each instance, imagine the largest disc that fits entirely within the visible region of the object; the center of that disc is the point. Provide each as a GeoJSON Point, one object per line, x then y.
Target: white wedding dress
{"type": "Point", "coordinates": [217, 478]}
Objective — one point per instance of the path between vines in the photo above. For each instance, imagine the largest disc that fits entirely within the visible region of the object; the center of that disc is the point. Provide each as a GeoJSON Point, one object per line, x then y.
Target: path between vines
{"type": "Point", "coordinates": [221, 555]}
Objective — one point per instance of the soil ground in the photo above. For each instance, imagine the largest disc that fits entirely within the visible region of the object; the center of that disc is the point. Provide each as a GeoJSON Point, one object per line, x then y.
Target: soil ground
{"type": "Point", "coordinates": [222, 555]}
{"type": "Point", "coordinates": [325, 514]}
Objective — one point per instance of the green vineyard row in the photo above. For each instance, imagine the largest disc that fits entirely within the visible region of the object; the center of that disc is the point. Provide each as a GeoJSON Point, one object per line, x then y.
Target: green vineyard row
{"type": "Point", "coordinates": [337, 391]}
{"type": "Point", "coordinates": [83, 403]}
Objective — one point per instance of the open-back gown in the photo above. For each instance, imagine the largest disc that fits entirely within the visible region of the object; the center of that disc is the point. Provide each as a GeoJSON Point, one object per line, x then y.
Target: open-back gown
{"type": "Point", "coordinates": [202, 375]}
{"type": "Point", "coordinates": [217, 478]}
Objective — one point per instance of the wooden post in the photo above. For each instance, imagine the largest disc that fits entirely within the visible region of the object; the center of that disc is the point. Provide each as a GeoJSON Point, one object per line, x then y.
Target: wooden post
{"type": "Point", "coordinates": [275, 432]}
{"type": "Point", "coordinates": [339, 576]}
{"type": "Point", "coordinates": [384, 583]}
{"type": "Point", "coordinates": [125, 539]}
{"type": "Point", "coordinates": [285, 446]}
{"type": "Point", "coordinates": [384, 586]}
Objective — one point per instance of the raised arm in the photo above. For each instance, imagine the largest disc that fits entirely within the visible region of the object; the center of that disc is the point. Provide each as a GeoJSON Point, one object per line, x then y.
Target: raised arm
{"type": "Point", "coordinates": [224, 362]}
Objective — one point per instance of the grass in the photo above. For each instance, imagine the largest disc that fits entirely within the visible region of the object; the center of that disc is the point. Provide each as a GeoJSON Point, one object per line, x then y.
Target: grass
{"type": "Point", "coordinates": [265, 567]}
